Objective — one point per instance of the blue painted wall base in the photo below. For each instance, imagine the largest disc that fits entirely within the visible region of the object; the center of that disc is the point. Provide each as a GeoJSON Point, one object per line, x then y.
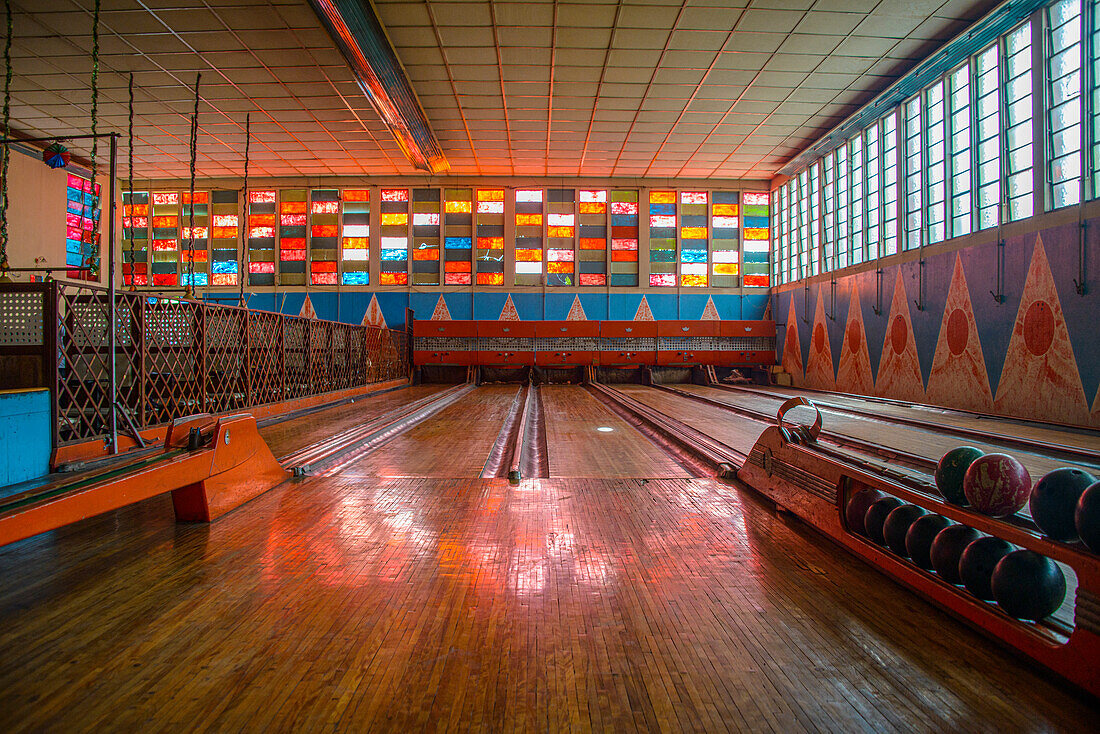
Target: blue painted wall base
{"type": "Point", "coordinates": [24, 435]}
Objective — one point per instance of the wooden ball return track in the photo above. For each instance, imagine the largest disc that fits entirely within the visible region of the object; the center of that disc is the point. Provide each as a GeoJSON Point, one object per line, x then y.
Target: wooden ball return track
{"type": "Point", "coordinates": [814, 481]}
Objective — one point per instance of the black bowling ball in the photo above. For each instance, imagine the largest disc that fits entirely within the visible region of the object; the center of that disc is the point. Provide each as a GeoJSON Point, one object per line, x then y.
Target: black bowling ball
{"type": "Point", "coordinates": [1087, 517]}
{"type": "Point", "coordinates": [918, 541]}
{"type": "Point", "coordinates": [948, 547]}
{"type": "Point", "coordinates": [897, 526]}
{"type": "Point", "coordinates": [857, 507]}
{"type": "Point", "coordinates": [876, 516]}
{"type": "Point", "coordinates": [977, 563]}
{"type": "Point", "coordinates": [1028, 585]}
{"type": "Point", "coordinates": [1054, 499]}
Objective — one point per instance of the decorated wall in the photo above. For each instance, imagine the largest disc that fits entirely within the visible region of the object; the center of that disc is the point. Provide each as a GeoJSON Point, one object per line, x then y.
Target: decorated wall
{"type": "Point", "coordinates": [388, 307]}
{"type": "Point", "coordinates": [992, 328]}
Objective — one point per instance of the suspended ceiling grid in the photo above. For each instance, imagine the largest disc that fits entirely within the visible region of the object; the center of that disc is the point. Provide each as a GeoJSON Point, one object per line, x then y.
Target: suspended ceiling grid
{"type": "Point", "coordinates": [597, 89]}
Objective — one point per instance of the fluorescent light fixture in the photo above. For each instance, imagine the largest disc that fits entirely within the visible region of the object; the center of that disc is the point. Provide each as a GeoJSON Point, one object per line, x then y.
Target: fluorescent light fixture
{"type": "Point", "coordinates": [359, 35]}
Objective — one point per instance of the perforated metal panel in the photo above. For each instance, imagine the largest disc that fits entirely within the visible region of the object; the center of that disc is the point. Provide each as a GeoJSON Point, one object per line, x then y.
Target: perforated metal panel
{"type": "Point", "coordinates": [445, 344]}
{"type": "Point", "coordinates": [21, 317]}
{"type": "Point", "coordinates": [507, 344]}
{"type": "Point", "coordinates": [746, 343]}
{"type": "Point", "coordinates": [629, 344]}
{"type": "Point", "coordinates": [687, 343]}
{"type": "Point", "coordinates": [568, 344]}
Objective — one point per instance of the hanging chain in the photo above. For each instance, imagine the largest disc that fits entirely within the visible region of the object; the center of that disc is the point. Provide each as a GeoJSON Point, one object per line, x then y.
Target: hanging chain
{"type": "Point", "coordinates": [130, 188]}
{"type": "Point", "coordinates": [90, 259]}
{"type": "Point", "coordinates": [7, 151]}
{"type": "Point", "coordinates": [191, 200]}
{"type": "Point", "coordinates": [244, 226]}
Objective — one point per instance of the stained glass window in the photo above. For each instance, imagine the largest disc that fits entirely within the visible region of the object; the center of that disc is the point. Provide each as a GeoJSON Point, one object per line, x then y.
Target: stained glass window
{"type": "Point", "coordinates": [166, 244]}
{"type": "Point", "coordinates": [624, 238]}
{"type": "Point", "coordinates": [261, 238]}
{"type": "Point", "coordinates": [324, 227]}
{"type": "Point", "coordinates": [355, 237]}
{"type": "Point", "coordinates": [458, 228]}
{"type": "Point", "coordinates": [913, 190]}
{"type": "Point", "coordinates": [393, 252]}
{"type": "Point", "coordinates": [592, 250]}
{"type": "Point", "coordinates": [425, 229]}
{"type": "Point", "coordinates": [662, 238]}
{"type": "Point", "coordinates": [873, 194]}
{"type": "Point", "coordinates": [81, 233]}
{"type": "Point", "coordinates": [224, 238]}
{"type": "Point", "coordinates": [725, 227]}
{"type": "Point", "coordinates": [959, 153]}
{"type": "Point", "coordinates": [693, 238]}
{"type": "Point", "coordinates": [293, 219]}
{"type": "Point", "coordinates": [490, 237]}
{"type": "Point", "coordinates": [889, 186]}
{"type": "Point", "coordinates": [529, 223]}
{"type": "Point", "coordinates": [561, 231]}
{"type": "Point", "coordinates": [135, 237]}
{"type": "Point", "coordinates": [935, 163]}
{"type": "Point", "coordinates": [194, 244]}
{"type": "Point", "coordinates": [755, 216]}
{"type": "Point", "coordinates": [828, 235]}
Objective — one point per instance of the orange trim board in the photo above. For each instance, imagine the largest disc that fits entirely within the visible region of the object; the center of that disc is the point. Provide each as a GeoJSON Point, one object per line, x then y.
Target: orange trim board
{"type": "Point", "coordinates": [97, 449]}
{"type": "Point", "coordinates": [205, 484]}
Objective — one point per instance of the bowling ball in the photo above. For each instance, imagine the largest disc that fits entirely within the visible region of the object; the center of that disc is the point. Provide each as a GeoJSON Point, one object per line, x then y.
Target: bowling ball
{"type": "Point", "coordinates": [950, 471]}
{"type": "Point", "coordinates": [1087, 517]}
{"type": "Point", "coordinates": [897, 526]}
{"type": "Point", "coordinates": [948, 547]}
{"type": "Point", "coordinates": [997, 485]}
{"type": "Point", "coordinates": [857, 507]}
{"type": "Point", "coordinates": [1054, 500]}
{"type": "Point", "coordinates": [876, 516]}
{"type": "Point", "coordinates": [1028, 585]}
{"type": "Point", "coordinates": [921, 534]}
{"type": "Point", "coordinates": [977, 562]}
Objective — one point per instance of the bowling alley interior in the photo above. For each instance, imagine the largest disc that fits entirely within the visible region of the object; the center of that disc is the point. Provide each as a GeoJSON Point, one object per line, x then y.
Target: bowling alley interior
{"type": "Point", "coordinates": [550, 366]}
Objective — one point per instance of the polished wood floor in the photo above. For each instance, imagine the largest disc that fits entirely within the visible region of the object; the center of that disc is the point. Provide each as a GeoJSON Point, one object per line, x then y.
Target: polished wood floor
{"type": "Point", "coordinates": [397, 604]}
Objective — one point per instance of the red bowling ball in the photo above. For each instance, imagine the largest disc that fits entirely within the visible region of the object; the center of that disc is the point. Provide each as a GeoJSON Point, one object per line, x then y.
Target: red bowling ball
{"type": "Point", "coordinates": [997, 485]}
{"type": "Point", "coordinates": [857, 507]}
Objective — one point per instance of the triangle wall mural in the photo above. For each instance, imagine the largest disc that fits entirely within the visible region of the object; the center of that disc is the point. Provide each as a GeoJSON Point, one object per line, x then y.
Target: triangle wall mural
{"type": "Point", "coordinates": [508, 312]}
{"type": "Point", "coordinates": [441, 312]}
{"type": "Point", "coordinates": [710, 312]}
{"type": "Point", "coordinates": [819, 366]}
{"type": "Point", "coordinates": [854, 372]}
{"type": "Point", "coordinates": [643, 313]}
{"type": "Point", "coordinates": [1096, 408]}
{"type": "Point", "coordinates": [1040, 378]}
{"type": "Point", "coordinates": [792, 350]}
{"type": "Point", "coordinates": [899, 374]}
{"type": "Point", "coordinates": [307, 311]}
{"type": "Point", "coordinates": [958, 378]}
{"type": "Point", "coordinates": [576, 311]}
{"type": "Point", "coordinates": [373, 316]}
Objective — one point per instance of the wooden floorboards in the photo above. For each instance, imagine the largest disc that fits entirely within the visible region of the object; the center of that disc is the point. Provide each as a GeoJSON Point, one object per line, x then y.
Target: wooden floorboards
{"type": "Point", "coordinates": [396, 604]}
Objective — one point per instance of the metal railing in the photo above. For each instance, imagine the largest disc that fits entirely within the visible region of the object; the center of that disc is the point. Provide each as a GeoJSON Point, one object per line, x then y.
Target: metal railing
{"type": "Point", "coordinates": [174, 357]}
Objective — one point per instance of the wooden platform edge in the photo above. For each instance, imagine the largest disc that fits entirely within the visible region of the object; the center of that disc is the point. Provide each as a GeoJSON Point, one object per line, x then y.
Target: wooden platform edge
{"type": "Point", "coordinates": [95, 449]}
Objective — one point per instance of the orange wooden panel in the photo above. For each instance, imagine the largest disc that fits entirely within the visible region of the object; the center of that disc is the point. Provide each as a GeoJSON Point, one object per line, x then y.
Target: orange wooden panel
{"type": "Point", "coordinates": [627, 329]}
{"type": "Point", "coordinates": [512, 329]}
{"type": "Point", "coordinates": [567, 328]}
{"type": "Point", "coordinates": [747, 328]}
{"type": "Point", "coordinates": [466, 329]}
{"type": "Point", "coordinates": [687, 328]}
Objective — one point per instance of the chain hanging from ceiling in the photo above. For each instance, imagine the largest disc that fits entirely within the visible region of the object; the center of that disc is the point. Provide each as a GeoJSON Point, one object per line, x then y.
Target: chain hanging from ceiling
{"type": "Point", "coordinates": [191, 196]}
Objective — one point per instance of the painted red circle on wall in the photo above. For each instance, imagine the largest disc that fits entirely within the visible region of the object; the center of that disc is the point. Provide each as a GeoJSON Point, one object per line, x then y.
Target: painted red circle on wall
{"type": "Point", "coordinates": [899, 334]}
{"type": "Point", "coordinates": [958, 331]}
{"type": "Point", "coordinates": [855, 338]}
{"type": "Point", "coordinates": [819, 338]}
{"type": "Point", "coordinates": [1039, 328]}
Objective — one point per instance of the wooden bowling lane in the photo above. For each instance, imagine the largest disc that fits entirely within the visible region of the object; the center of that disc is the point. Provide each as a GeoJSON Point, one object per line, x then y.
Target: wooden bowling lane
{"type": "Point", "coordinates": [931, 442]}
{"type": "Point", "coordinates": [455, 442]}
{"type": "Point", "coordinates": [737, 432]}
{"type": "Point", "coordinates": [576, 448]}
{"type": "Point", "coordinates": [286, 436]}
{"type": "Point", "coordinates": [471, 605]}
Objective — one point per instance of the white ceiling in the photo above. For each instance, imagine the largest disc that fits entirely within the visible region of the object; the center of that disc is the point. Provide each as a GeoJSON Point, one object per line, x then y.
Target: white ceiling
{"type": "Point", "coordinates": [647, 88]}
